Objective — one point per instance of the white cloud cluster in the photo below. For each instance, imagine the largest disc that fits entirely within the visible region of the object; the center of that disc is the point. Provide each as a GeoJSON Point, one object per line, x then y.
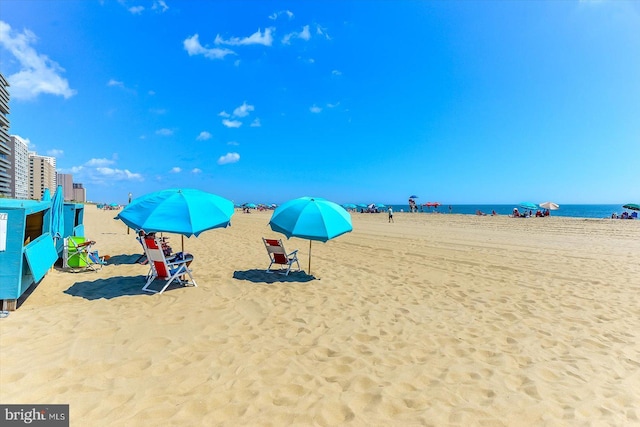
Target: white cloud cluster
{"type": "Point", "coordinates": [38, 74]}
{"type": "Point", "coordinates": [265, 38]}
{"type": "Point", "coordinates": [240, 112]}
{"type": "Point", "coordinates": [193, 47]}
{"type": "Point", "coordinates": [262, 38]}
{"type": "Point", "coordinates": [99, 171]}
{"type": "Point", "coordinates": [229, 158]}
{"type": "Point", "coordinates": [204, 135]}
{"type": "Point", "coordinates": [159, 6]}
{"type": "Point", "coordinates": [276, 15]}
{"type": "Point", "coordinates": [304, 34]}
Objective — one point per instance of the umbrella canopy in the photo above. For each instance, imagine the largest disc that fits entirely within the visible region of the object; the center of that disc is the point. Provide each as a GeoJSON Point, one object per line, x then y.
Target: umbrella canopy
{"type": "Point", "coordinates": [413, 197]}
{"type": "Point", "coordinates": [349, 206]}
{"type": "Point", "coordinates": [632, 206]}
{"type": "Point", "coordinates": [250, 205]}
{"type": "Point", "coordinates": [528, 205]}
{"type": "Point", "coordinates": [182, 211]}
{"type": "Point", "coordinates": [57, 214]}
{"type": "Point", "coordinates": [311, 218]}
{"type": "Point", "coordinates": [380, 205]}
{"type": "Point", "coordinates": [550, 205]}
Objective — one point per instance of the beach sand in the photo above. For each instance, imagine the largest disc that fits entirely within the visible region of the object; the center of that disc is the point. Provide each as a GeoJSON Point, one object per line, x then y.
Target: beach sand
{"type": "Point", "coordinates": [436, 319]}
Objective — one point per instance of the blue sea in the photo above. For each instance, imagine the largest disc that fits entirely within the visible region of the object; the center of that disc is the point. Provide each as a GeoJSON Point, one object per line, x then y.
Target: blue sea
{"type": "Point", "coordinates": [577, 211]}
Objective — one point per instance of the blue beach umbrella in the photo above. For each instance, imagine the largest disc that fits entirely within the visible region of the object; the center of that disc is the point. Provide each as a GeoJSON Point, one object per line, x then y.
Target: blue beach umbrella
{"type": "Point", "coordinates": [181, 211]}
{"type": "Point", "coordinates": [311, 218]}
{"type": "Point", "coordinates": [528, 205]}
{"type": "Point", "coordinates": [349, 206]}
{"type": "Point", "coordinates": [413, 197]}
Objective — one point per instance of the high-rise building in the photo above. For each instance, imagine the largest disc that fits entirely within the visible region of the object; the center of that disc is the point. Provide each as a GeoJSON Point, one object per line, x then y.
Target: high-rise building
{"type": "Point", "coordinates": [19, 167]}
{"type": "Point", "coordinates": [79, 193]}
{"type": "Point", "coordinates": [42, 174]}
{"type": "Point", "coordinates": [6, 186]}
{"type": "Point", "coordinates": [66, 180]}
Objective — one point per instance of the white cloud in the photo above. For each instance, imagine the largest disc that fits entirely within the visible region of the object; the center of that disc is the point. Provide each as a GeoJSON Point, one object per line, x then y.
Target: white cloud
{"type": "Point", "coordinates": [255, 123]}
{"type": "Point", "coordinates": [233, 143]}
{"type": "Point", "coordinates": [229, 158]}
{"type": "Point", "coordinates": [204, 135]}
{"type": "Point", "coordinates": [136, 10]}
{"type": "Point", "coordinates": [336, 72]}
{"type": "Point", "coordinates": [196, 170]}
{"type": "Point", "coordinates": [55, 153]}
{"type": "Point", "coordinates": [38, 74]}
{"type": "Point", "coordinates": [224, 114]}
{"type": "Point", "coordinates": [99, 162]}
{"type": "Point", "coordinates": [256, 38]}
{"type": "Point", "coordinates": [315, 109]}
{"type": "Point", "coordinates": [232, 123]}
{"type": "Point", "coordinates": [113, 82]}
{"type": "Point", "coordinates": [160, 5]}
{"type": "Point", "coordinates": [305, 34]}
{"type": "Point", "coordinates": [164, 132]}
{"type": "Point", "coordinates": [243, 110]}
{"type": "Point", "coordinates": [119, 174]}
{"type": "Point", "coordinates": [193, 47]}
{"type": "Point", "coordinates": [175, 170]}
{"type": "Point", "coordinates": [329, 105]}
{"type": "Point", "coordinates": [276, 15]}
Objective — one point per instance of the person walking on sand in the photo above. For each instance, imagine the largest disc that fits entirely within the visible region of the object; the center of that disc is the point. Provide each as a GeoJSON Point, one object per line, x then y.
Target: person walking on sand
{"type": "Point", "coordinates": [391, 214]}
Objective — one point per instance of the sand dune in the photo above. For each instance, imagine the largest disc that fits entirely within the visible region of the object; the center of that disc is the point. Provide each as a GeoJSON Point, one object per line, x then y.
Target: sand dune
{"type": "Point", "coordinates": [433, 320]}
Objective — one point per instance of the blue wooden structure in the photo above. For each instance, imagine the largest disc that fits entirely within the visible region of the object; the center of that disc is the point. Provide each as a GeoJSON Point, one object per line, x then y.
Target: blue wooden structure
{"type": "Point", "coordinates": [27, 250]}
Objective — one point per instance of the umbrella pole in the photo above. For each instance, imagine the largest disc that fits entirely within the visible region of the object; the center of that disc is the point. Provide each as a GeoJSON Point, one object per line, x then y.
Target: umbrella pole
{"type": "Point", "coordinates": [182, 241]}
{"type": "Point", "coordinates": [309, 256]}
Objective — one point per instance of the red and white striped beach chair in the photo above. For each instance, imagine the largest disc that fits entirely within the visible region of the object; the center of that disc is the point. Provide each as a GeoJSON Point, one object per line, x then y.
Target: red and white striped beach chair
{"type": "Point", "coordinates": [278, 255]}
{"type": "Point", "coordinates": [169, 269]}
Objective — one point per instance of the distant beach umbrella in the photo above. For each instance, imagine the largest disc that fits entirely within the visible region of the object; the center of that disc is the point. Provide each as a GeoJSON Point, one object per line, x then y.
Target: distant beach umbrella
{"type": "Point", "coordinates": [349, 206]}
{"type": "Point", "coordinates": [311, 218]}
{"type": "Point", "coordinates": [380, 205]}
{"type": "Point", "coordinates": [528, 205]}
{"type": "Point", "coordinates": [550, 205]}
{"type": "Point", "coordinates": [632, 206]}
{"type": "Point", "coordinates": [413, 197]}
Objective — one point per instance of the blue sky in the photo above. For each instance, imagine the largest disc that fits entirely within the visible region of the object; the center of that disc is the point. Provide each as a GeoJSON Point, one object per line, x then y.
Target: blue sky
{"type": "Point", "coordinates": [354, 101]}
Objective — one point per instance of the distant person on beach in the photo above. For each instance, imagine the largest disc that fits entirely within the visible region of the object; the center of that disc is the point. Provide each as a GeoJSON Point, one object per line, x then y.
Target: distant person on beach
{"type": "Point", "coordinates": [391, 214]}
{"type": "Point", "coordinates": [450, 208]}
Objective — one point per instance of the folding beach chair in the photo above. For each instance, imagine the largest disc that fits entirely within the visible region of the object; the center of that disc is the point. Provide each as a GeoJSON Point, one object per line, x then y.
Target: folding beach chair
{"type": "Point", "coordinates": [78, 255]}
{"type": "Point", "coordinates": [169, 269]}
{"type": "Point", "coordinates": [279, 256]}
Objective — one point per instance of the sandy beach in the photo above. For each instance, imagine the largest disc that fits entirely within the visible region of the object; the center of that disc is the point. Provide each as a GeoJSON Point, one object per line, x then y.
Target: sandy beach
{"type": "Point", "coordinates": [443, 320]}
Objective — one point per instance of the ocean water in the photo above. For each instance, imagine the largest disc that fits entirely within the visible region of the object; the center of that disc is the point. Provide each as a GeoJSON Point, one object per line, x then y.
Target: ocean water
{"type": "Point", "coordinates": [577, 211]}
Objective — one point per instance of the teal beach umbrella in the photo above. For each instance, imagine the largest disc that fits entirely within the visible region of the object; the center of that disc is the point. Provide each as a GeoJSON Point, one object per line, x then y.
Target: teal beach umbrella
{"type": "Point", "coordinates": [181, 211]}
{"type": "Point", "coordinates": [632, 206]}
{"type": "Point", "coordinates": [311, 218]}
